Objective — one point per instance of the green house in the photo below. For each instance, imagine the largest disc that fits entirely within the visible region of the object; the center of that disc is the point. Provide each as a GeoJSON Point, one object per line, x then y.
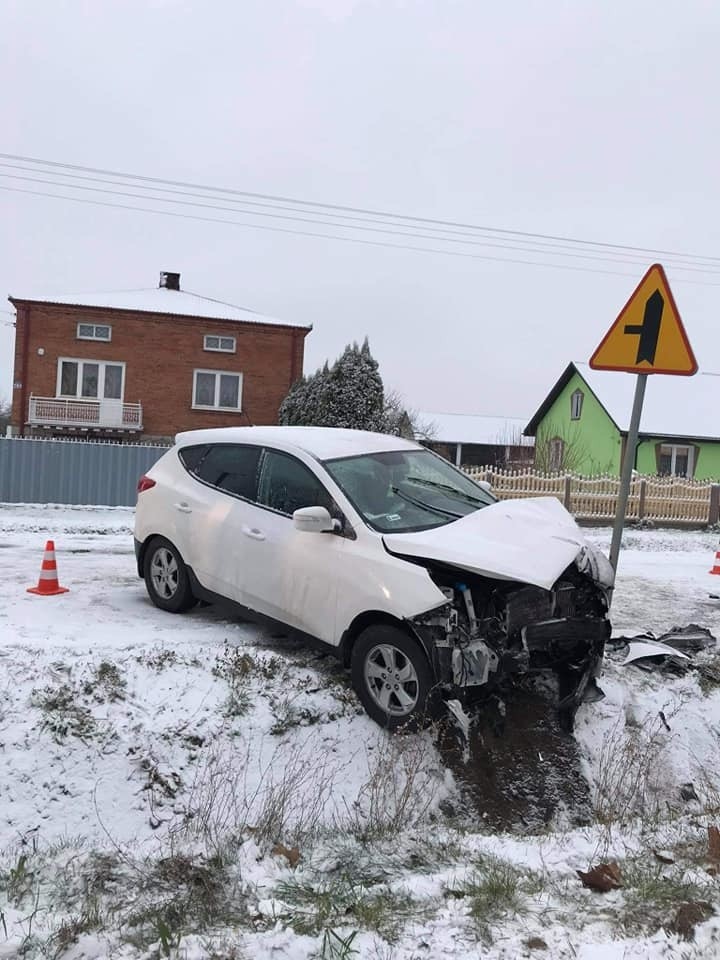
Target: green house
{"type": "Point", "coordinates": [582, 424]}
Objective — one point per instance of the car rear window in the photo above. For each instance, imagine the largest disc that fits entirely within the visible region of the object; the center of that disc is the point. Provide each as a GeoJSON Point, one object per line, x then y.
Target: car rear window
{"type": "Point", "coordinates": [230, 467]}
{"type": "Point", "coordinates": [190, 457]}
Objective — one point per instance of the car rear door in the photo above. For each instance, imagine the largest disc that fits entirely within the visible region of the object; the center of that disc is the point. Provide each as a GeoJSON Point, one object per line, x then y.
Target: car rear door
{"type": "Point", "coordinates": [290, 575]}
{"type": "Point", "coordinates": [216, 501]}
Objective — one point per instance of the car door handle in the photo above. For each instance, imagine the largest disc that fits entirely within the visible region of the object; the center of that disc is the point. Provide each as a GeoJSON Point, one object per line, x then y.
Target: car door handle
{"type": "Point", "coordinates": [253, 532]}
{"type": "Point", "coordinates": [183, 507]}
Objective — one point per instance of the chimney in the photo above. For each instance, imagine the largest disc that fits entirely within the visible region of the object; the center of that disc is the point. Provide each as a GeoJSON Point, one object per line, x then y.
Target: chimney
{"type": "Point", "coordinates": [171, 281]}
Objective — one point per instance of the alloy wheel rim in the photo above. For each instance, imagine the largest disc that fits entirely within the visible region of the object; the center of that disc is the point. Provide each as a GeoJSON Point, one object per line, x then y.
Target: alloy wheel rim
{"type": "Point", "coordinates": [164, 573]}
{"type": "Point", "coordinates": [391, 680]}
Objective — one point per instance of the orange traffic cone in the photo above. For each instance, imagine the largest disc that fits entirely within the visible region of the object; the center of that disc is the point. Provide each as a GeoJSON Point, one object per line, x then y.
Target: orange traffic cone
{"type": "Point", "coordinates": [716, 565]}
{"type": "Point", "coordinates": [48, 585]}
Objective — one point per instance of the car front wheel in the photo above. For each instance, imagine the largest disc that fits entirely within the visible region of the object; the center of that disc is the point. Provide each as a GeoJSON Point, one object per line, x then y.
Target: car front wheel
{"type": "Point", "coordinates": [166, 577]}
{"type": "Point", "coordinates": [392, 677]}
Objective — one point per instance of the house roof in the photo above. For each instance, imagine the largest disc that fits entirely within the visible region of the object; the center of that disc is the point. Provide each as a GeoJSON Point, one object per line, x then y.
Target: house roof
{"type": "Point", "coordinates": [161, 300]}
{"type": "Point", "coordinates": [474, 428]}
{"type": "Point", "coordinates": [674, 406]}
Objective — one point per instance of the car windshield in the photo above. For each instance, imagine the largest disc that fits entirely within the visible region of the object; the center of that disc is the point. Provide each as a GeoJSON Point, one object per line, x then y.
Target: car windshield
{"type": "Point", "coordinates": [406, 490]}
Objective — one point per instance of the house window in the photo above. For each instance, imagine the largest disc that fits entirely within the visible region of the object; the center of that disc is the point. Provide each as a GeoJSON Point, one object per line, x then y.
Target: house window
{"type": "Point", "coordinates": [94, 331]}
{"type": "Point", "coordinates": [557, 453]}
{"type": "Point", "coordinates": [676, 461]}
{"type": "Point", "coordinates": [90, 379]}
{"type": "Point", "coordinates": [576, 402]}
{"type": "Point", "coordinates": [217, 390]}
{"type": "Point", "coordinates": [219, 344]}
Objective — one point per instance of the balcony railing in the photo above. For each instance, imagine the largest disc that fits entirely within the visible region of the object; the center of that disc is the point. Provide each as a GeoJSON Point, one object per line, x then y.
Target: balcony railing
{"type": "Point", "coordinates": [97, 414]}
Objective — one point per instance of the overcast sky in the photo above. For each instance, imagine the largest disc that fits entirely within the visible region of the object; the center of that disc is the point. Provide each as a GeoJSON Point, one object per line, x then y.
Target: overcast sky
{"type": "Point", "coordinates": [595, 120]}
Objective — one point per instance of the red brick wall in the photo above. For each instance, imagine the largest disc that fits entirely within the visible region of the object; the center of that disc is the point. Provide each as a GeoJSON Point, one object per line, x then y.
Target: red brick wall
{"type": "Point", "coordinates": [160, 353]}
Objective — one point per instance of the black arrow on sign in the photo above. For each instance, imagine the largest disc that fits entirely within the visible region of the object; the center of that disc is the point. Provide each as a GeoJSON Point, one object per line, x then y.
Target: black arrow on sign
{"type": "Point", "coordinates": [649, 329]}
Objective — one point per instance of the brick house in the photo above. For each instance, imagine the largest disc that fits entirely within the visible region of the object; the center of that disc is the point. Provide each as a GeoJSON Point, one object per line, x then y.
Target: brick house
{"type": "Point", "coordinates": [145, 364]}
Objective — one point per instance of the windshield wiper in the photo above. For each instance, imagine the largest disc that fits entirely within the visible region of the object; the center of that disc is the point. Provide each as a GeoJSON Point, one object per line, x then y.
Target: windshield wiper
{"type": "Point", "coordinates": [446, 488]}
{"type": "Point", "coordinates": [425, 506]}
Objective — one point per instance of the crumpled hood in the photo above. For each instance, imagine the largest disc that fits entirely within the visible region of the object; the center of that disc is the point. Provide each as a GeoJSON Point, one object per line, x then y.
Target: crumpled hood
{"type": "Point", "coordinates": [532, 541]}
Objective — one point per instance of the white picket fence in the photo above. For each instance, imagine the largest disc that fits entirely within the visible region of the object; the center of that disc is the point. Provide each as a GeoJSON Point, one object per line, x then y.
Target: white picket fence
{"type": "Point", "coordinates": [670, 500]}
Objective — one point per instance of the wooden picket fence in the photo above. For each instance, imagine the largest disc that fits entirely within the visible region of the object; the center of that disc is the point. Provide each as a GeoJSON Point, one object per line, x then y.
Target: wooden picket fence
{"type": "Point", "coordinates": [672, 501]}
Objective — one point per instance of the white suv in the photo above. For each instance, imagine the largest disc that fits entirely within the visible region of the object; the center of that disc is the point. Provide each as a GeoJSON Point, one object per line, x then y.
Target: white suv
{"type": "Point", "coordinates": [422, 582]}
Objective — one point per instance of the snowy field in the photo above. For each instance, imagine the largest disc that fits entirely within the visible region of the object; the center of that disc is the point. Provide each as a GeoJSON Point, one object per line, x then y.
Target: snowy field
{"type": "Point", "coordinates": [195, 787]}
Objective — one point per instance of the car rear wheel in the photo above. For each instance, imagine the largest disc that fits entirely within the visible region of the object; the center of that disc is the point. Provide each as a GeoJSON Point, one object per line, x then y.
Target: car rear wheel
{"type": "Point", "coordinates": [166, 577]}
{"type": "Point", "coordinates": [392, 677]}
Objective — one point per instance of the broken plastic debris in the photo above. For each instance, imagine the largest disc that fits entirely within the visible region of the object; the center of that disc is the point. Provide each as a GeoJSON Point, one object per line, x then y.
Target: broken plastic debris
{"type": "Point", "coordinates": [463, 722]}
{"type": "Point", "coordinates": [641, 649]}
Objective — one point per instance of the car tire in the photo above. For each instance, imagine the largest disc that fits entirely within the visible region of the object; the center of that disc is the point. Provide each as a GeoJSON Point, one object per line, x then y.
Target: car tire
{"type": "Point", "coordinates": [166, 577]}
{"type": "Point", "coordinates": [392, 677]}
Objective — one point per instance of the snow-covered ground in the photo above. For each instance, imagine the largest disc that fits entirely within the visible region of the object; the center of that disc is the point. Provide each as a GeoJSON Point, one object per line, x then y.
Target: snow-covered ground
{"type": "Point", "coordinates": [158, 773]}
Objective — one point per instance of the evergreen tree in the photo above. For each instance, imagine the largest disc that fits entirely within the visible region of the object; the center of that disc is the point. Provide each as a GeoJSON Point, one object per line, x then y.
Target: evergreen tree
{"type": "Point", "coordinates": [348, 394]}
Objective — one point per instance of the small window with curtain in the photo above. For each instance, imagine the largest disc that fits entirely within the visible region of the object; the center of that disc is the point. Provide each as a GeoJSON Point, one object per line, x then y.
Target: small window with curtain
{"type": "Point", "coordinates": [217, 390]}
{"type": "Point", "coordinates": [675, 460]}
{"type": "Point", "coordinates": [576, 403]}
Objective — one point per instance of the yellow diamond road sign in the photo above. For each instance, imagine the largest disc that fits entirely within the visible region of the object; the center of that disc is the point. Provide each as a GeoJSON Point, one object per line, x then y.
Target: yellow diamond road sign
{"type": "Point", "coordinates": [648, 336]}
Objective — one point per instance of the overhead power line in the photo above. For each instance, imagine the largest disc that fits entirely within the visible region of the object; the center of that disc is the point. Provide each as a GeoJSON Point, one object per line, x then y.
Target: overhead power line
{"type": "Point", "coordinates": [350, 209]}
{"type": "Point", "coordinates": [348, 220]}
{"type": "Point", "coordinates": [322, 236]}
{"type": "Point", "coordinates": [545, 249]}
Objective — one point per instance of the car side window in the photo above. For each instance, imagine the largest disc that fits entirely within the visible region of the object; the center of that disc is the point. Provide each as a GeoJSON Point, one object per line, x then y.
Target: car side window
{"type": "Point", "coordinates": [190, 457]}
{"type": "Point", "coordinates": [232, 468]}
{"type": "Point", "coordinates": [287, 485]}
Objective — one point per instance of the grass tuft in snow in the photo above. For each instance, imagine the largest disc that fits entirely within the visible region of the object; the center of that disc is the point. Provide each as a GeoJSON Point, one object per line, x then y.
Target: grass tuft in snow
{"type": "Point", "coordinates": [316, 903]}
{"type": "Point", "coordinates": [63, 713]}
{"type": "Point", "coordinates": [335, 946]}
{"type": "Point", "coordinates": [653, 893]}
{"type": "Point", "coordinates": [494, 889]}
{"type": "Point", "coordinates": [708, 674]}
{"type": "Point", "coordinates": [106, 685]}
{"type": "Point", "coordinates": [235, 668]}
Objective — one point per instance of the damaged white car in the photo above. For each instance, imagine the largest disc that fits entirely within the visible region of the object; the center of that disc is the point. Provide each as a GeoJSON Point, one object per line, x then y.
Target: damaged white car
{"type": "Point", "coordinates": [423, 583]}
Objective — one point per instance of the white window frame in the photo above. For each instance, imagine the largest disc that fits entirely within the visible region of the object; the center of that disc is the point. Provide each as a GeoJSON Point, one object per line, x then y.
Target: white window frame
{"type": "Point", "coordinates": [217, 374]}
{"type": "Point", "coordinates": [682, 449]}
{"type": "Point", "coordinates": [101, 379]}
{"type": "Point", "coordinates": [219, 337]}
{"type": "Point", "coordinates": [83, 336]}
{"type": "Point", "coordinates": [576, 404]}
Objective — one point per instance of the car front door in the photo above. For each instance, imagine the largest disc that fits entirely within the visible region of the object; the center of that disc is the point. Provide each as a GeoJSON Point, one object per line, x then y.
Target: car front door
{"type": "Point", "coordinates": [290, 575]}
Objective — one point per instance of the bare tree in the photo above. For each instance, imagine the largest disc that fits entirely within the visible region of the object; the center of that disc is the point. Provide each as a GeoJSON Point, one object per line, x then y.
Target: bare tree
{"type": "Point", "coordinates": [518, 449]}
{"type": "Point", "coordinates": [556, 450]}
{"type": "Point", "coordinates": [403, 421]}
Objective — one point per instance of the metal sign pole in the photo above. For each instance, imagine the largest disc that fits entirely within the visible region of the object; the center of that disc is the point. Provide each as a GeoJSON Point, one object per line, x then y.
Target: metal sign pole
{"type": "Point", "coordinates": [627, 468]}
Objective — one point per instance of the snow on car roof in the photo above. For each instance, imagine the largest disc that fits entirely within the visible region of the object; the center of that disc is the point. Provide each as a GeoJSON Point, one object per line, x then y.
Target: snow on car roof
{"type": "Point", "coordinates": [180, 303]}
{"type": "Point", "coordinates": [325, 443]}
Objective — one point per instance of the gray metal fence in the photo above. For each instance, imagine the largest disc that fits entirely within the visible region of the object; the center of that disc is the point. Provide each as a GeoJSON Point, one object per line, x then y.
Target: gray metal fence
{"type": "Point", "coordinates": [72, 471]}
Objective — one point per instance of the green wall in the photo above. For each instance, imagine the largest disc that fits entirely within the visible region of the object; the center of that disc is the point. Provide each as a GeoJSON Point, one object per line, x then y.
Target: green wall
{"type": "Point", "coordinates": [593, 442]}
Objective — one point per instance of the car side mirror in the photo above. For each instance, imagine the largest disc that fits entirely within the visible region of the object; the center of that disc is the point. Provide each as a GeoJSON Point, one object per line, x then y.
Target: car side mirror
{"type": "Point", "coordinates": [485, 485]}
{"type": "Point", "coordinates": [315, 520]}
